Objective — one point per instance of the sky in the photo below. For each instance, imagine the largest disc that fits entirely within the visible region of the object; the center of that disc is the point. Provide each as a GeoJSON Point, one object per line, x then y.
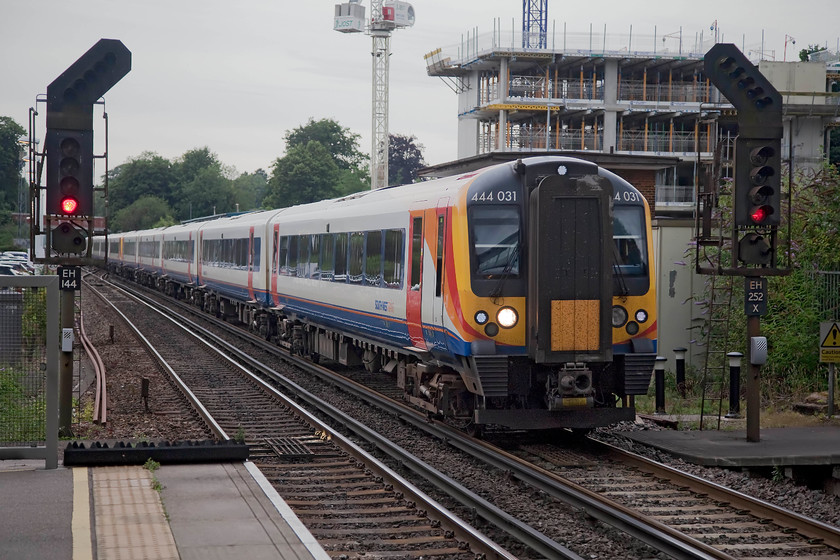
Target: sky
{"type": "Point", "coordinates": [235, 75]}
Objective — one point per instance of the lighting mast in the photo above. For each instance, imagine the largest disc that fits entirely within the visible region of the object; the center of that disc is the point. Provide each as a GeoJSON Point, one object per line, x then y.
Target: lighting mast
{"type": "Point", "coordinates": [386, 15]}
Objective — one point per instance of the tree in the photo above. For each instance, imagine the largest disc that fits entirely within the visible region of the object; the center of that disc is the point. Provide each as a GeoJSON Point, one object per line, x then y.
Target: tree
{"type": "Point", "coordinates": [146, 175]}
{"type": "Point", "coordinates": [307, 173]}
{"type": "Point", "coordinates": [144, 213]}
{"type": "Point", "coordinates": [202, 188]}
{"type": "Point", "coordinates": [342, 144]}
{"type": "Point", "coordinates": [352, 181]}
{"type": "Point", "coordinates": [208, 193]}
{"type": "Point", "coordinates": [405, 159]}
{"type": "Point", "coordinates": [249, 189]}
{"type": "Point", "coordinates": [10, 163]}
{"type": "Point", "coordinates": [805, 54]}
{"type": "Point", "coordinates": [834, 150]}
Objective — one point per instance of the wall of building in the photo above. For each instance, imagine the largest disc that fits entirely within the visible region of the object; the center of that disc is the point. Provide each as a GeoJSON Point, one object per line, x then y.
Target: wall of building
{"type": "Point", "coordinates": [642, 179]}
{"type": "Point", "coordinates": [678, 290]}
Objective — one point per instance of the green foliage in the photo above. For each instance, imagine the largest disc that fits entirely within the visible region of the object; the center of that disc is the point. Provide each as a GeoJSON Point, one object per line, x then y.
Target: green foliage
{"type": "Point", "coordinates": [10, 162]}
{"type": "Point", "coordinates": [342, 144]}
{"type": "Point", "coordinates": [405, 159]}
{"type": "Point", "coordinates": [144, 213]}
{"type": "Point", "coordinates": [816, 205]}
{"type": "Point", "coordinates": [352, 181]}
{"type": "Point", "coordinates": [307, 173]}
{"type": "Point", "coordinates": [794, 304]}
{"type": "Point", "coordinates": [205, 194]}
{"type": "Point", "coordinates": [804, 54]}
{"type": "Point", "coordinates": [151, 465]}
{"type": "Point", "coordinates": [34, 320]}
{"type": "Point", "coordinates": [8, 231]}
{"type": "Point", "coordinates": [148, 175]}
{"type": "Point", "coordinates": [23, 418]}
{"type": "Point", "coordinates": [249, 190]}
{"type": "Point", "coordinates": [192, 186]}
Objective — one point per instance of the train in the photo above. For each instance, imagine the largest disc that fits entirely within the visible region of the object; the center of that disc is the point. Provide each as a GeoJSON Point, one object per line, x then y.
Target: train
{"type": "Point", "coordinates": [519, 296]}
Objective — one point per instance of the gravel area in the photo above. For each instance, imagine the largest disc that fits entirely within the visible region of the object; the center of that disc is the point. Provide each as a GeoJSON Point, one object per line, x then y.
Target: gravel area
{"type": "Point", "coordinates": [126, 364]}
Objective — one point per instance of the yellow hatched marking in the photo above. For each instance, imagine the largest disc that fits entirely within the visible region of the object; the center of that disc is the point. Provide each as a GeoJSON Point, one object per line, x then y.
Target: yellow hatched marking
{"type": "Point", "coordinates": [575, 325]}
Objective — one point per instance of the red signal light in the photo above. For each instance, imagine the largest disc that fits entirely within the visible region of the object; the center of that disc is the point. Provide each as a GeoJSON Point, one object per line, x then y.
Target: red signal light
{"type": "Point", "coordinates": [69, 205]}
{"type": "Point", "coordinates": [761, 213]}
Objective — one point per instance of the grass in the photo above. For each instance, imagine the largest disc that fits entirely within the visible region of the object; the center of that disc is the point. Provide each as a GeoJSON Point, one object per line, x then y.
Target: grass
{"type": "Point", "coordinates": [775, 413]}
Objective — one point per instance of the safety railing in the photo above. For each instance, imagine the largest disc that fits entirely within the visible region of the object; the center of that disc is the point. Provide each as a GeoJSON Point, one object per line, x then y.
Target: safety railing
{"type": "Point", "coordinates": [29, 346]}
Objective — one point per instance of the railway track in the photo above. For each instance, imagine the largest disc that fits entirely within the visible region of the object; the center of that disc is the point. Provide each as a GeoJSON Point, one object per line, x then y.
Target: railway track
{"type": "Point", "coordinates": [670, 513]}
{"type": "Point", "coordinates": [349, 500]}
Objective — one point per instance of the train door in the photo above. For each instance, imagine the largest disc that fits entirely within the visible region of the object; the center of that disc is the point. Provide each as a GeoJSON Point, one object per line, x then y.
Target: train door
{"type": "Point", "coordinates": [414, 293]}
{"type": "Point", "coordinates": [191, 248]}
{"type": "Point", "coordinates": [433, 292]}
{"type": "Point", "coordinates": [253, 262]}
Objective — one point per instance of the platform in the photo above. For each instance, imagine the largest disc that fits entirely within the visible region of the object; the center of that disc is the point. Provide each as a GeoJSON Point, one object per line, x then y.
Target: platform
{"type": "Point", "coordinates": [777, 447]}
{"type": "Point", "coordinates": [204, 511]}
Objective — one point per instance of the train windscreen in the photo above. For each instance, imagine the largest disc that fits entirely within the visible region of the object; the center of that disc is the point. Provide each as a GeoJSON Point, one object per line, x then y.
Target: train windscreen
{"type": "Point", "coordinates": [496, 238]}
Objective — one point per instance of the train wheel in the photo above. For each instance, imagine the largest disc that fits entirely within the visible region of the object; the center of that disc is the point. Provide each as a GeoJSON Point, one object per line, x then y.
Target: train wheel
{"type": "Point", "coordinates": [475, 430]}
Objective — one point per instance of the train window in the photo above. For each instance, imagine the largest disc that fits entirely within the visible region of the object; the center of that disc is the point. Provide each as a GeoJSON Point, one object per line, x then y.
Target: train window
{"type": "Point", "coordinates": [357, 254]}
{"type": "Point", "coordinates": [293, 255]}
{"type": "Point", "coordinates": [303, 256]}
{"type": "Point", "coordinates": [327, 257]}
{"type": "Point", "coordinates": [341, 257]}
{"type": "Point", "coordinates": [630, 240]}
{"type": "Point", "coordinates": [149, 249]}
{"type": "Point", "coordinates": [416, 252]}
{"type": "Point", "coordinates": [255, 254]}
{"type": "Point", "coordinates": [274, 249]}
{"type": "Point", "coordinates": [282, 254]}
{"type": "Point", "coordinates": [241, 254]}
{"type": "Point", "coordinates": [314, 256]}
{"type": "Point", "coordinates": [495, 241]}
{"type": "Point", "coordinates": [373, 258]}
{"type": "Point", "coordinates": [393, 258]}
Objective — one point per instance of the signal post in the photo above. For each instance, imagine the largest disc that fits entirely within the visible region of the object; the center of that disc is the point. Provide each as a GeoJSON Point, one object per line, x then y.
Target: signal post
{"type": "Point", "coordinates": [756, 200]}
{"type": "Point", "coordinates": [68, 210]}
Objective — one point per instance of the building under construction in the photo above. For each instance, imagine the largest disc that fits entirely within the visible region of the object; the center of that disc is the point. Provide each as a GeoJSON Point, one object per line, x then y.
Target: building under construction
{"type": "Point", "coordinates": [539, 90]}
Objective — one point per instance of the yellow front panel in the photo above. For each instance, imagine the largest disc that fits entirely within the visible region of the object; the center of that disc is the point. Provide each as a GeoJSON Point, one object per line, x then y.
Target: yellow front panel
{"type": "Point", "coordinates": [575, 325]}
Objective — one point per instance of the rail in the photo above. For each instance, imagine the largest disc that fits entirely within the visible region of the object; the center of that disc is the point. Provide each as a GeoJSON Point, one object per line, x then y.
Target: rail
{"type": "Point", "coordinates": [236, 357]}
{"type": "Point", "coordinates": [100, 401]}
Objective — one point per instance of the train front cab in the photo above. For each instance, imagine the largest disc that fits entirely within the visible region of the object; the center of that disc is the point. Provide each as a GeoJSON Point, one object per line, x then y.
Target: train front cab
{"type": "Point", "coordinates": [566, 373]}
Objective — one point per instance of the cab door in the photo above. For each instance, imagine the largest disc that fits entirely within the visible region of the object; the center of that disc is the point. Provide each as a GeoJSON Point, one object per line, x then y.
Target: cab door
{"type": "Point", "coordinates": [414, 291]}
{"type": "Point", "coordinates": [433, 289]}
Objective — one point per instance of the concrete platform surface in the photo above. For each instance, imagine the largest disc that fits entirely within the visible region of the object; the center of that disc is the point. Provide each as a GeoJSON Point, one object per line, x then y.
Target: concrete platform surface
{"type": "Point", "coordinates": [207, 511]}
{"type": "Point", "coordinates": [776, 446]}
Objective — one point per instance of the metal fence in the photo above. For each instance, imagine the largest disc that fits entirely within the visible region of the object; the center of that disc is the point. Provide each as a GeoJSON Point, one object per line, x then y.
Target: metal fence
{"type": "Point", "coordinates": [828, 284]}
{"type": "Point", "coordinates": [29, 327]}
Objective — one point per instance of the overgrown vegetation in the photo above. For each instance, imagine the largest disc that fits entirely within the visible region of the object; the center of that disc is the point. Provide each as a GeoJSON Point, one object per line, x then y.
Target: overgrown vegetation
{"type": "Point", "coordinates": [23, 415]}
{"type": "Point", "coordinates": [22, 393]}
{"type": "Point", "coordinates": [795, 306]}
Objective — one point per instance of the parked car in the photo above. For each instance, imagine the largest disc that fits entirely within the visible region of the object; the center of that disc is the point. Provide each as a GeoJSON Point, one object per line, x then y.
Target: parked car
{"type": "Point", "coordinates": [9, 270]}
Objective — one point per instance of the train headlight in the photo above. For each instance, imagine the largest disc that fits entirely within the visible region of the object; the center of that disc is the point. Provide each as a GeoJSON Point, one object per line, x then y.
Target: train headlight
{"type": "Point", "coordinates": [641, 316]}
{"type": "Point", "coordinates": [481, 317]}
{"type": "Point", "coordinates": [632, 328]}
{"type": "Point", "coordinates": [507, 317]}
{"type": "Point", "coordinates": [619, 316]}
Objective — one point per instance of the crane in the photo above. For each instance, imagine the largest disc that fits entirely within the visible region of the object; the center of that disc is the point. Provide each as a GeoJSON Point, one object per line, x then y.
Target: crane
{"type": "Point", "coordinates": [386, 15]}
{"type": "Point", "coordinates": [534, 24]}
